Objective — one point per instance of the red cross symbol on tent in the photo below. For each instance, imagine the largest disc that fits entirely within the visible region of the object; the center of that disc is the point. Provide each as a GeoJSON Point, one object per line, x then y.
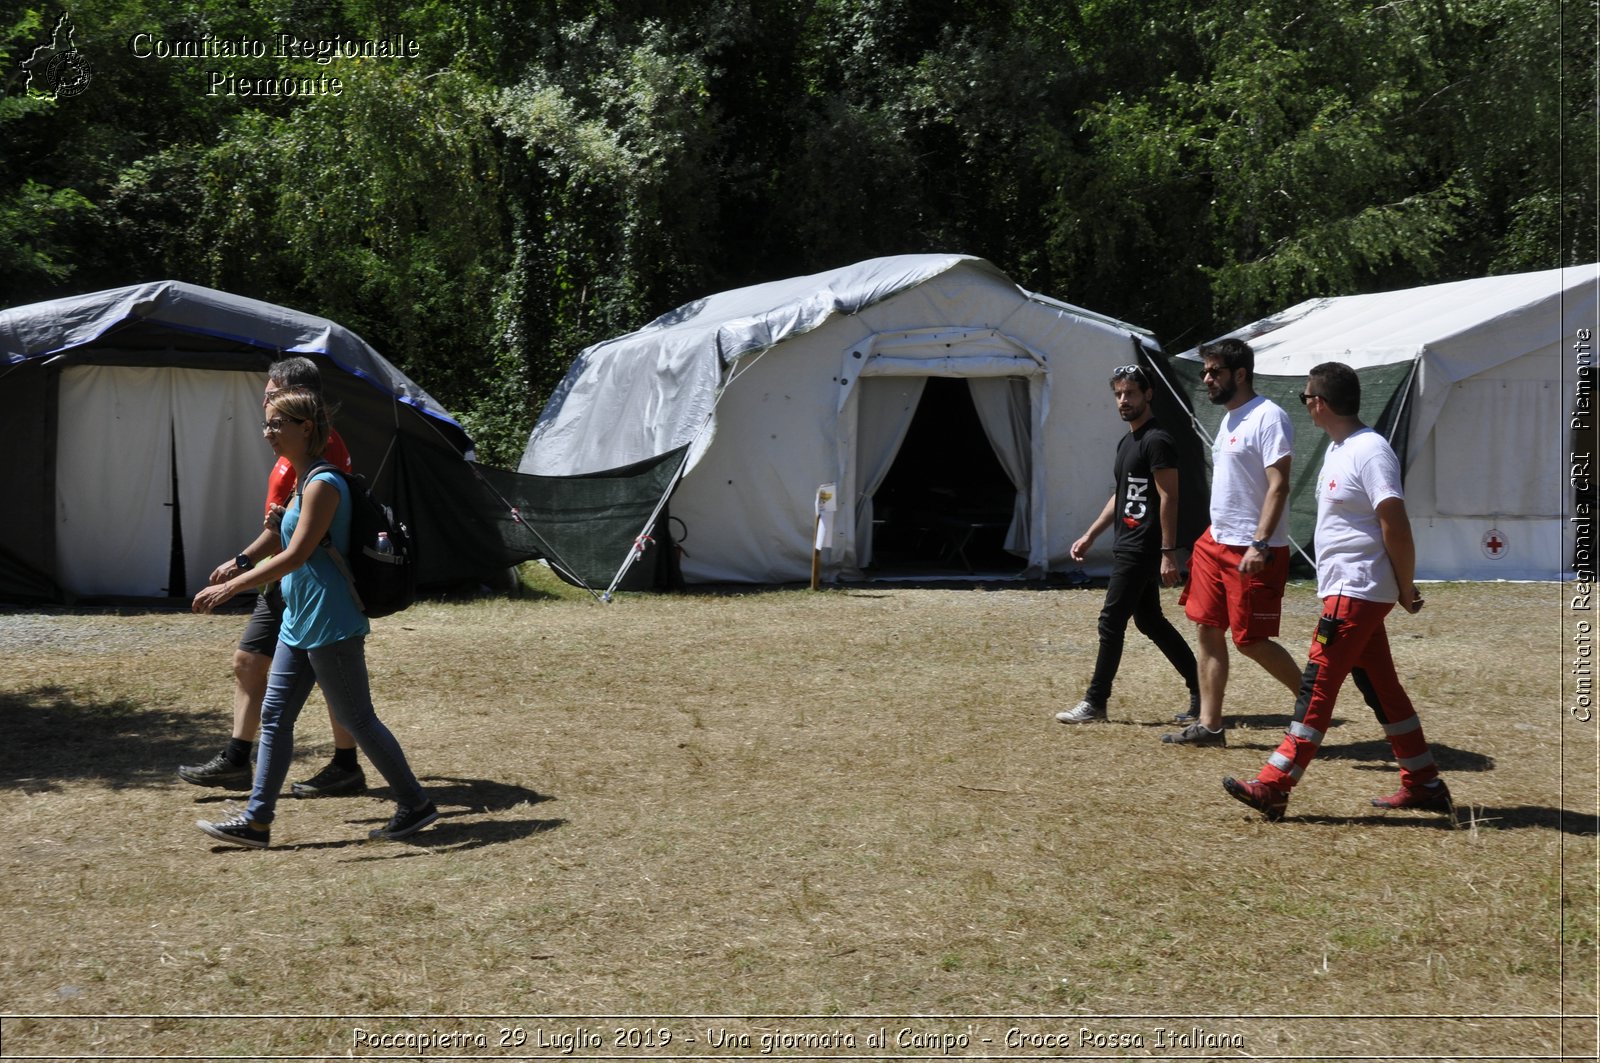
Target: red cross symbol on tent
{"type": "Point", "coordinates": [1494, 544]}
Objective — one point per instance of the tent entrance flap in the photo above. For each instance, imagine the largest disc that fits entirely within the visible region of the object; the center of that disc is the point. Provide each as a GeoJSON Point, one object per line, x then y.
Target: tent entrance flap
{"type": "Point", "coordinates": [131, 442]}
{"type": "Point", "coordinates": [934, 494]}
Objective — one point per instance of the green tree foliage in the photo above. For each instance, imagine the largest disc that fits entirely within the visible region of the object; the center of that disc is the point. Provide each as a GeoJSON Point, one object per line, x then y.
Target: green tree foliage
{"type": "Point", "coordinates": [1340, 148]}
{"type": "Point", "coordinates": [539, 178]}
{"type": "Point", "coordinates": [620, 185]}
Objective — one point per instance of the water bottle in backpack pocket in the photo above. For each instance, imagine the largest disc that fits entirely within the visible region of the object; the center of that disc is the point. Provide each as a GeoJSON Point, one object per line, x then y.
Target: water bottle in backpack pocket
{"type": "Point", "coordinates": [382, 571]}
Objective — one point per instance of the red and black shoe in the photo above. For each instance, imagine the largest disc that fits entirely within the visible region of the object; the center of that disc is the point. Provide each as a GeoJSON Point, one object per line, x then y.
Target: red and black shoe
{"type": "Point", "coordinates": [1429, 798]}
{"type": "Point", "coordinates": [1268, 800]}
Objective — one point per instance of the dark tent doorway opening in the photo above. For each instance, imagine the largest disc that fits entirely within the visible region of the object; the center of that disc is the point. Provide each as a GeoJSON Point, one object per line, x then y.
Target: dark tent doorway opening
{"type": "Point", "coordinates": [945, 506]}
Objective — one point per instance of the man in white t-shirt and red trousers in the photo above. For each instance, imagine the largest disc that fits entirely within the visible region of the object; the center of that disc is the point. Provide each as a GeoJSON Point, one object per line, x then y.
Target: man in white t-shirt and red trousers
{"type": "Point", "coordinates": [1366, 561]}
{"type": "Point", "coordinates": [1241, 562]}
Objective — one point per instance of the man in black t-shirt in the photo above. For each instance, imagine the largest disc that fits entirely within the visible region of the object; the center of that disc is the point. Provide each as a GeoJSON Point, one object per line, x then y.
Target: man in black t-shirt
{"type": "Point", "coordinates": [1144, 510]}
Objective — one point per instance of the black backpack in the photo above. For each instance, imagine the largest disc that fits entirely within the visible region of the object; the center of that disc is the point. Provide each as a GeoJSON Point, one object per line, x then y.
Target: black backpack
{"type": "Point", "coordinates": [383, 583]}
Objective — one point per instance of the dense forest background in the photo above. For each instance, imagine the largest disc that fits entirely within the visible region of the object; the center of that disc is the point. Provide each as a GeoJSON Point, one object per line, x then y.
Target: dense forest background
{"type": "Point", "coordinates": [544, 175]}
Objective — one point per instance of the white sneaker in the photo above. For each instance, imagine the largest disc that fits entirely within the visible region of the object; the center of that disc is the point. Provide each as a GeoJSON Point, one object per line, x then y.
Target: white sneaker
{"type": "Point", "coordinates": [1083, 712]}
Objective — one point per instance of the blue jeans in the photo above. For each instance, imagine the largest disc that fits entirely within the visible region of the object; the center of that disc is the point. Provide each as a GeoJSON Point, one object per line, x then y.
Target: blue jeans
{"type": "Point", "coordinates": [340, 669]}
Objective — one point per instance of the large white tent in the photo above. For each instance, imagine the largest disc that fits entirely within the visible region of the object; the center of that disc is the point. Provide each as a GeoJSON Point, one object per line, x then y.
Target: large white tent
{"type": "Point", "coordinates": [774, 390]}
{"type": "Point", "coordinates": [1475, 383]}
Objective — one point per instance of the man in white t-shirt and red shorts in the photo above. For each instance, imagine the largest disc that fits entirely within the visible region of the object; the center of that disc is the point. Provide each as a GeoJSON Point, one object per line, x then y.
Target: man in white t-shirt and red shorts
{"type": "Point", "coordinates": [1241, 562]}
{"type": "Point", "coordinates": [1366, 563]}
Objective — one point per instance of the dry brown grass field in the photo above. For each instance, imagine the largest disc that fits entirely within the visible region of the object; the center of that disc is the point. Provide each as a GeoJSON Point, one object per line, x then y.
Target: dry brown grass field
{"type": "Point", "coordinates": [843, 821]}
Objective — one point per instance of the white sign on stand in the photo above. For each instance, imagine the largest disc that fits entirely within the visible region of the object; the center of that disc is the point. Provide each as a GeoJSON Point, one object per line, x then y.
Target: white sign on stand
{"type": "Point", "coordinates": [827, 505]}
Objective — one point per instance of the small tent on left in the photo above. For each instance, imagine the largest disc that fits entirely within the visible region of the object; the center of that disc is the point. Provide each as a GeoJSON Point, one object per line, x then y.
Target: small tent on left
{"type": "Point", "coordinates": [130, 421]}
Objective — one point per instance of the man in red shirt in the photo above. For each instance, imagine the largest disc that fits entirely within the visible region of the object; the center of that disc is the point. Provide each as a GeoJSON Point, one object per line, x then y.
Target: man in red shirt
{"type": "Point", "coordinates": [252, 661]}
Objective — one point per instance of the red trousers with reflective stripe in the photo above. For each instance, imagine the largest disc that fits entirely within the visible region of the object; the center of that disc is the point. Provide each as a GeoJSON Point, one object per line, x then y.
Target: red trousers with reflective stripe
{"type": "Point", "coordinates": [1361, 647]}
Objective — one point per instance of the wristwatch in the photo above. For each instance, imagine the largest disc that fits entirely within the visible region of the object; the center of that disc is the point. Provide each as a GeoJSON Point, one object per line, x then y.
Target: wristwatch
{"type": "Point", "coordinates": [244, 563]}
{"type": "Point", "coordinates": [1260, 544]}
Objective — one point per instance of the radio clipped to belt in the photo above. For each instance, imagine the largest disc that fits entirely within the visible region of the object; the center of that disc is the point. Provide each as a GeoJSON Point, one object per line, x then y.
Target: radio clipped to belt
{"type": "Point", "coordinates": [1329, 624]}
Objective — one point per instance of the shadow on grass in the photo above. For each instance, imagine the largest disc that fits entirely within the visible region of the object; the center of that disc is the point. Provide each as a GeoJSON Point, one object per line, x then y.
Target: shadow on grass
{"type": "Point", "coordinates": [1268, 732]}
{"type": "Point", "coordinates": [452, 836]}
{"type": "Point", "coordinates": [1448, 758]}
{"type": "Point", "coordinates": [445, 836]}
{"type": "Point", "coordinates": [458, 829]}
{"type": "Point", "coordinates": [1516, 817]}
{"type": "Point", "coordinates": [52, 738]}
{"type": "Point", "coordinates": [460, 800]}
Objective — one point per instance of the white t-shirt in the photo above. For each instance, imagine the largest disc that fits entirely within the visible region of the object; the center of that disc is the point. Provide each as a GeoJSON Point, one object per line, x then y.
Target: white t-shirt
{"type": "Point", "coordinates": [1351, 560]}
{"type": "Point", "coordinates": [1250, 438]}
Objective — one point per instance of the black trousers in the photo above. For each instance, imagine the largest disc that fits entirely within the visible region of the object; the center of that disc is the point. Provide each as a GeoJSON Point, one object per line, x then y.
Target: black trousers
{"type": "Point", "coordinates": [1134, 593]}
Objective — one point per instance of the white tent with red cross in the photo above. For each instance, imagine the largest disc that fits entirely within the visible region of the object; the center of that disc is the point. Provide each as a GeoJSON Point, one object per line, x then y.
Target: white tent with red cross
{"type": "Point", "coordinates": [1485, 389]}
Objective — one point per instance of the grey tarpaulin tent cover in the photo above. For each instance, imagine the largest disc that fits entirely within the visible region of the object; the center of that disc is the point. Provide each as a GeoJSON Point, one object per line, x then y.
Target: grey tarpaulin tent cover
{"type": "Point", "coordinates": [134, 459]}
{"type": "Point", "coordinates": [1472, 382]}
{"type": "Point", "coordinates": [773, 390]}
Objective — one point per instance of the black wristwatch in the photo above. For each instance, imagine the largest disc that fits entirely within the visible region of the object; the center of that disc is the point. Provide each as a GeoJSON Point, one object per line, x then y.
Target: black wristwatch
{"type": "Point", "coordinates": [1260, 544]}
{"type": "Point", "coordinates": [244, 563]}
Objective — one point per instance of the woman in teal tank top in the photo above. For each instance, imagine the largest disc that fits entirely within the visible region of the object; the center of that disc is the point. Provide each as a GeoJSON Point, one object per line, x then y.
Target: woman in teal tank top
{"type": "Point", "coordinates": [323, 640]}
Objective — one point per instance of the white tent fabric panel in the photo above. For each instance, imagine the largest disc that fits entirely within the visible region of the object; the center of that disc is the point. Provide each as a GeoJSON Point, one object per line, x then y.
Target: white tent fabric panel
{"type": "Point", "coordinates": [742, 510]}
{"type": "Point", "coordinates": [1494, 316]}
{"type": "Point", "coordinates": [1493, 545]}
{"type": "Point", "coordinates": [1005, 409]}
{"type": "Point", "coordinates": [640, 405]}
{"type": "Point", "coordinates": [1504, 548]}
{"type": "Point", "coordinates": [884, 408]}
{"type": "Point", "coordinates": [114, 480]}
{"type": "Point", "coordinates": [1497, 431]}
{"type": "Point", "coordinates": [231, 460]}
{"type": "Point", "coordinates": [115, 467]}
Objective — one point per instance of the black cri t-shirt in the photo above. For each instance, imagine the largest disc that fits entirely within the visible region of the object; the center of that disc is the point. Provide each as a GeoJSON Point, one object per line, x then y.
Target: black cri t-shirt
{"type": "Point", "coordinates": [1138, 503]}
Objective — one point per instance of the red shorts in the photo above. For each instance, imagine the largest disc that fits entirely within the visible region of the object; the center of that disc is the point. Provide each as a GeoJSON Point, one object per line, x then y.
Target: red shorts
{"type": "Point", "coordinates": [1217, 594]}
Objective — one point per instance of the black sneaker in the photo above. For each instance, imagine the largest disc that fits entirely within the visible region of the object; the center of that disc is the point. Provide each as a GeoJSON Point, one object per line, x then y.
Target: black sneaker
{"type": "Point", "coordinates": [218, 771]}
{"type": "Point", "coordinates": [406, 822]}
{"type": "Point", "coordinates": [1197, 734]}
{"type": "Point", "coordinates": [237, 831]}
{"type": "Point", "coordinates": [332, 779]}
